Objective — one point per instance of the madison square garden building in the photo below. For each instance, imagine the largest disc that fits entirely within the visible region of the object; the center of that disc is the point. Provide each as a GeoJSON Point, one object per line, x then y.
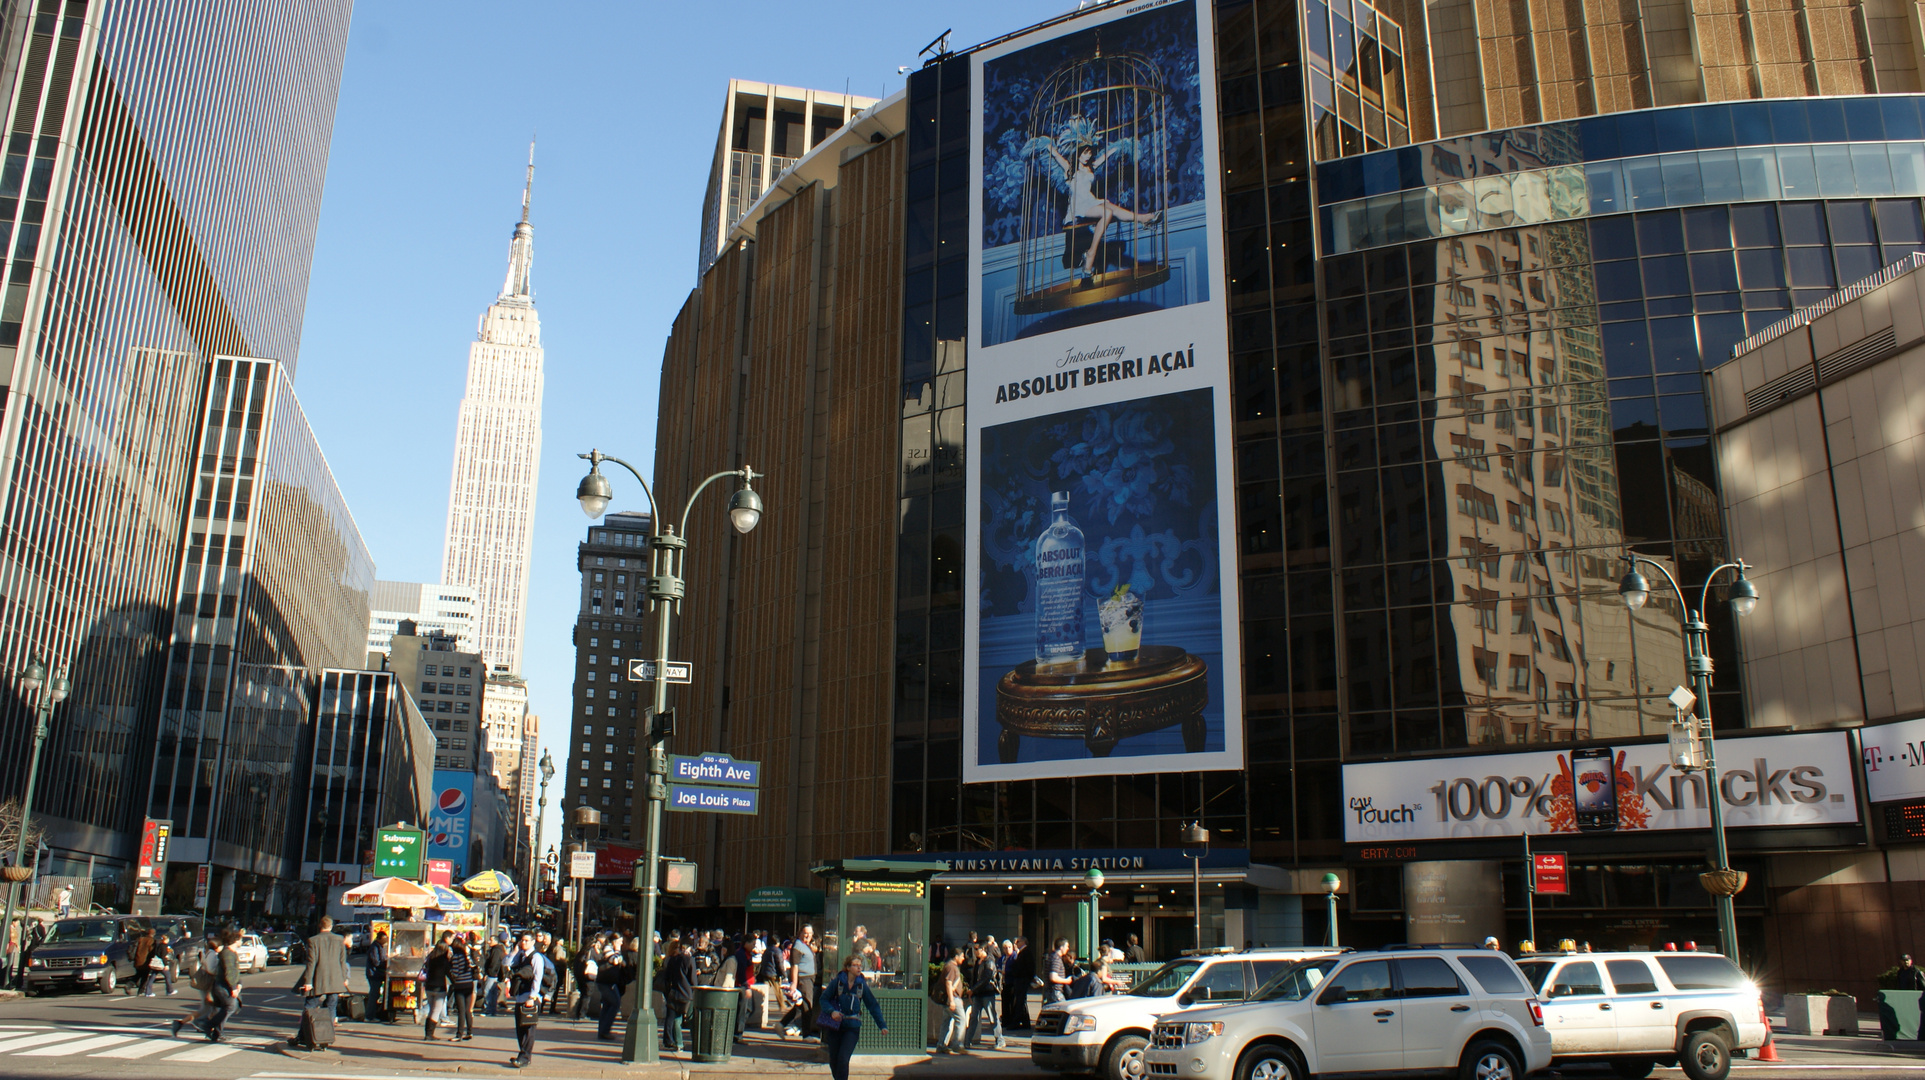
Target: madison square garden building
{"type": "Point", "coordinates": [1193, 412]}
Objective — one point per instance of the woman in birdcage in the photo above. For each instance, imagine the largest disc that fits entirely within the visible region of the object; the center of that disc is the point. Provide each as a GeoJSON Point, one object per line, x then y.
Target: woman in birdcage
{"type": "Point", "coordinates": [1073, 162]}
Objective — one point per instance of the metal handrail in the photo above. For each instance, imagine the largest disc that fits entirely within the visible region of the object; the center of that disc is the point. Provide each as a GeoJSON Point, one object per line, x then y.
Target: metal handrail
{"type": "Point", "coordinates": [1805, 315]}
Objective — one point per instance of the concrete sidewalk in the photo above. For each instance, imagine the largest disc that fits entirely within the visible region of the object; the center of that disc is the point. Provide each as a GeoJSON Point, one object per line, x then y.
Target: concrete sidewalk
{"type": "Point", "coordinates": [565, 1048]}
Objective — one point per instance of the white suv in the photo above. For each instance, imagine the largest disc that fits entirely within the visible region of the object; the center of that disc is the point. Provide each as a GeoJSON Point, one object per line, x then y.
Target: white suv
{"type": "Point", "coordinates": [1637, 1010]}
{"type": "Point", "coordinates": [1106, 1035]}
{"type": "Point", "coordinates": [1412, 1010]}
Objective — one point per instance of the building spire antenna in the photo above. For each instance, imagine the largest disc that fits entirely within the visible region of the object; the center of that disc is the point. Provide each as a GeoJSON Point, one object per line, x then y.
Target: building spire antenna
{"type": "Point", "coordinates": [528, 190]}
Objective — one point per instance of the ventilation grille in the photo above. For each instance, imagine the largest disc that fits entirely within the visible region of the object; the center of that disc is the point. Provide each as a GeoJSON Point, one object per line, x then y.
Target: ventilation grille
{"type": "Point", "coordinates": [1859, 353]}
{"type": "Point", "coordinates": [1799, 380]}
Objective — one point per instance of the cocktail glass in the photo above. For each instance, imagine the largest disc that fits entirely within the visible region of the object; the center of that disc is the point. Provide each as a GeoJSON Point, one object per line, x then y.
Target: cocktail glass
{"type": "Point", "coordinates": [1121, 617]}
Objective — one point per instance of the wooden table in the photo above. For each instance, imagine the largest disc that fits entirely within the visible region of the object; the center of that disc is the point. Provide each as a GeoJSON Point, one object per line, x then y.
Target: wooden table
{"type": "Point", "coordinates": [1101, 702]}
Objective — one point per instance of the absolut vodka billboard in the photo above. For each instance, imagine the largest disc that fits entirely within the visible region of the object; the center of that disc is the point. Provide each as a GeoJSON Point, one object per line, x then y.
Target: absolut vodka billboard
{"type": "Point", "coordinates": [1103, 640]}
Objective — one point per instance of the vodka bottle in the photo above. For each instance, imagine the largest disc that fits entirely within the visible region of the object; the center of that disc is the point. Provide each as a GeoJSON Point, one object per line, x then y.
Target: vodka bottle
{"type": "Point", "coordinates": [1059, 587]}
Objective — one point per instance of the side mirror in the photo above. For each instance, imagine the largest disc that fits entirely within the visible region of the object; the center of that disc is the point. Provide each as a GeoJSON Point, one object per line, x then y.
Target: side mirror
{"type": "Point", "coordinates": [1184, 999]}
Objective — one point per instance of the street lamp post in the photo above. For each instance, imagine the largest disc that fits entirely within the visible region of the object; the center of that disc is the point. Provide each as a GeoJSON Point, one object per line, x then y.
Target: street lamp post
{"type": "Point", "coordinates": [1331, 883]}
{"type": "Point", "coordinates": [1094, 879]}
{"type": "Point", "coordinates": [31, 680]}
{"type": "Point", "coordinates": [1196, 844]}
{"type": "Point", "coordinates": [1721, 882]}
{"type": "Point", "coordinates": [533, 882]}
{"type": "Point", "coordinates": [668, 552]}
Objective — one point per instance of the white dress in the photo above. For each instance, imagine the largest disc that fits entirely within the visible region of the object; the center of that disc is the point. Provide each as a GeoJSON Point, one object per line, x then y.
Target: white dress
{"type": "Point", "coordinates": [1083, 202]}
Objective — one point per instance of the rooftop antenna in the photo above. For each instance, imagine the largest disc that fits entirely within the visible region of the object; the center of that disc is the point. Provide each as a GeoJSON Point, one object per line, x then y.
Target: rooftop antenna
{"type": "Point", "coordinates": [940, 47]}
{"type": "Point", "coordinates": [528, 190]}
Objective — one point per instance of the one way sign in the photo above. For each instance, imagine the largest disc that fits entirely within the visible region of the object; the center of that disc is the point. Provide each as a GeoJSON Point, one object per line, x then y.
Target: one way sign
{"type": "Point", "coordinates": [674, 671]}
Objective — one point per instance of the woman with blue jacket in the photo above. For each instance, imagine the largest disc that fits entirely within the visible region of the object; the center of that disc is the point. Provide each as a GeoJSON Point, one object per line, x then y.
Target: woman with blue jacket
{"type": "Point", "coordinates": [841, 1021]}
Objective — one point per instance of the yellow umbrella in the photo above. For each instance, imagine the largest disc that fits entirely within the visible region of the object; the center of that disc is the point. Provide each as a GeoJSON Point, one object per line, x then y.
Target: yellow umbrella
{"type": "Point", "coordinates": [389, 892]}
{"type": "Point", "coordinates": [489, 885]}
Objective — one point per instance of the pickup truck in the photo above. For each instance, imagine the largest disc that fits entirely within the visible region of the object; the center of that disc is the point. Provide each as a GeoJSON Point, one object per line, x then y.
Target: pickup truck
{"type": "Point", "coordinates": [1638, 1010]}
{"type": "Point", "coordinates": [1106, 1035]}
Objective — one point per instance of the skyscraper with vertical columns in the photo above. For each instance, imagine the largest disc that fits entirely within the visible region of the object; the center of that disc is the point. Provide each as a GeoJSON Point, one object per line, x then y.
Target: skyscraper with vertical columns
{"type": "Point", "coordinates": [491, 497]}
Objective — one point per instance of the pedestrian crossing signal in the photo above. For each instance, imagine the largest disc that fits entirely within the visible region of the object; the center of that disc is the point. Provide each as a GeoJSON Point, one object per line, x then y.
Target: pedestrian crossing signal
{"type": "Point", "coordinates": [662, 724]}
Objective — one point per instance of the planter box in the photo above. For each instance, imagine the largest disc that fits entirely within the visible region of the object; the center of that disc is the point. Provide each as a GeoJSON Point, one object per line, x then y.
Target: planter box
{"type": "Point", "coordinates": [1898, 1013]}
{"type": "Point", "coordinates": [1821, 1014]}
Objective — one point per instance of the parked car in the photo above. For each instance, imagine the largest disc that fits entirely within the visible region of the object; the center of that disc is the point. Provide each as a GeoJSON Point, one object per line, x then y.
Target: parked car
{"type": "Point", "coordinates": [356, 933]}
{"type": "Point", "coordinates": [1639, 1010]}
{"type": "Point", "coordinates": [284, 948]}
{"type": "Point", "coordinates": [86, 953]}
{"type": "Point", "coordinates": [1107, 1035]}
{"type": "Point", "coordinates": [1411, 1010]}
{"type": "Point", "coordinates": [253, 953]}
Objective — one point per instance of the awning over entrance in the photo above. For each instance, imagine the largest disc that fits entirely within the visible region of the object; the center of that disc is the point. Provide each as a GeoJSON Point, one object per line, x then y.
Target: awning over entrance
{"type": "Point", "coordinates": [781, 898]}
{"type": "Point", "coordinates": [1121, 866]}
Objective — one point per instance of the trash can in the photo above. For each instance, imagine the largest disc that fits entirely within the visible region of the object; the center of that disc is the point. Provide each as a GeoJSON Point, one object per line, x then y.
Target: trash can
{"type": "Point", "coordinates": [714, 1014]}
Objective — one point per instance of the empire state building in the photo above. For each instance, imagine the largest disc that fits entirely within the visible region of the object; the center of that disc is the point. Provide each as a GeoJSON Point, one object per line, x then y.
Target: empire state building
{"type": "Point", "coordinates": [491, 498]}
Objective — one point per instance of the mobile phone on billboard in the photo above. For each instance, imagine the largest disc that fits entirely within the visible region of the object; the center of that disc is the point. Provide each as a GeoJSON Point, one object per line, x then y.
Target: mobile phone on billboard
{"type": "Point", "coordinates": [1594, 789]}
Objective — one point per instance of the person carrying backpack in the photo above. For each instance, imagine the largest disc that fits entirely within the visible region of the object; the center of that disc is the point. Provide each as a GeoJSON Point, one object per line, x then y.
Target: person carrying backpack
{"type": "Point", "coordinates": [841, 1020]}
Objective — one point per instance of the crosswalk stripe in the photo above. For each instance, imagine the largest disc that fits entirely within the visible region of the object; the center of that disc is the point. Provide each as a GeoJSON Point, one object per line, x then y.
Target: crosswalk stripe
{"type": "Point", "coordinates": [98, 1042]}
{"type": "Point", "coordinates": [139, 1049]}
{"type": "Point", "coordinates": [210, 1052]}
{"type": "Point", "coordinates": [11, 1045]}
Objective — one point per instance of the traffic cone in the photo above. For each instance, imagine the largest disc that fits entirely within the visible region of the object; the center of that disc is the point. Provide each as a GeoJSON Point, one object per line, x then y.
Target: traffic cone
{"type": "Point", "coordinates": [1769, 1051]}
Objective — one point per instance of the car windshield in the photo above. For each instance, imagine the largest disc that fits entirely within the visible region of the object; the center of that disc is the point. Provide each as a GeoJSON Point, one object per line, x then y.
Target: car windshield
{"type": "Point", "coordinates": [81, 930]}
{"type": "Point", "coordinates": [278, 939]}
{"type": "Point", "coordinates": [1297, 981]}
{"type": "Point", "coordinates": [1535, 971]}
{"type": "Point", "coordinates": [1167, 979]}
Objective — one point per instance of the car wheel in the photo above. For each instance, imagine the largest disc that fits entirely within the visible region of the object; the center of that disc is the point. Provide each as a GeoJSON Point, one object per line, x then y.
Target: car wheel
{"type": "Point", "coordinates": [1633, 1068]}
{"type": "Point", "coordinates": [108, 982]}
{"type": "Point", "coordinates": [1124, 1060]}
{"type": "Point", "coordinates": [1706, 1056]}
{"type": "Point", "coordinates": [1269, 1062]}
{"type": "Point", "coordinates": [1489, 1061]}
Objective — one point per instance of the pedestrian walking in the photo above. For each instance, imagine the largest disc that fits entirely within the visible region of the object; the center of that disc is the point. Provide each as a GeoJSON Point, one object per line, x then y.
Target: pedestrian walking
{"type": "Point", "coordinates": [222, 969]}
{"type": "Point", "coordinates": [141, 951]}
{"type": "Point", "coordinates": [799, 1021]}
{"type": "Point", "coordinates": [1019, 970]}
{"type": "Point", "coordinates": [1056, 974]}
{"type": "Point", "coordinates": [529, 973]}
{"type": "Point", "coordinates": [494, 968]}
{"type": "Point", "coordinates": [203, 983]}
{"type": "Point", "coordinates": [771, 973]}
{"type": "Point", "coordinates": [677, 984]}
{"type": "Point", "coordinates": [841, 1020]}
{"type": "Point", "coordinates": [557, 952]}
{"type": "Point", "coordinates": [1133, 952]}
{"type": "Point", "coordinates": [376, 961]}
{"type": "Point", "coordinates": [63, 899]}
{"type": "Point", "coordinates": [324, 978]}
{"type": "Point", "coordinates": [462, 974]}
{"type": "Point", "coordinates": [985, 995]}
{"type": "Point", "coordinates": [955, 998]}
{"type": "Point", "coordinates": [611, 976]}
{"type": "Point", "coordinates": [434, 978]}
{"type": "Point", "coordinates": [164, 953]}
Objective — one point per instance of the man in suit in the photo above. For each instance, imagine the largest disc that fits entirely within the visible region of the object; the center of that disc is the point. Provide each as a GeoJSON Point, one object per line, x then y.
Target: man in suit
{"type": "Point", "coordinates": [1017, 973]}
{"type": "Point", "coordinates": [324, 979]}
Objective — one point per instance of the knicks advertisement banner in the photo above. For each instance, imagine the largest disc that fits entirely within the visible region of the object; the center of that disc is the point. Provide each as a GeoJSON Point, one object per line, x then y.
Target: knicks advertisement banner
{"type": "Point", "coordinates": [1102, 640]}
{"type": "Point", "coordinates": [450, 817]}
{"type": "Point", "coordinates": [1797, 779]}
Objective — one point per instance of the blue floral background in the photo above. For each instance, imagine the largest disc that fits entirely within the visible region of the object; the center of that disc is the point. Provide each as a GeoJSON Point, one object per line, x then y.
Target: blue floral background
{"type": "Point", "coordinates": [1166, 36]}
{"type": "Point", "coordinates": [1142, 481]}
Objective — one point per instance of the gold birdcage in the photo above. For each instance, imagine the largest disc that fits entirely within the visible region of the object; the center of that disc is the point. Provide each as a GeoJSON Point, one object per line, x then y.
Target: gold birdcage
{"type": "Point", "coordinates": [1106, 106]}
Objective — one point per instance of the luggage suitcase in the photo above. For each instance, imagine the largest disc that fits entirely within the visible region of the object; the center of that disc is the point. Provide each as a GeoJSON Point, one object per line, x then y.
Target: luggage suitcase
{"type": "Point", "coordinates": [351, 1007]}
{"type": "Point", "coordinates": [317, 1027]}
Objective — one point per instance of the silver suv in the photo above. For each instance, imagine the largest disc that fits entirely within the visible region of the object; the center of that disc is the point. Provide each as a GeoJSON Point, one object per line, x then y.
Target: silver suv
{"type": "Point", "coordinates": [1638, 1010]}
{"type": "Point", "coordinates": [1411, 1010]}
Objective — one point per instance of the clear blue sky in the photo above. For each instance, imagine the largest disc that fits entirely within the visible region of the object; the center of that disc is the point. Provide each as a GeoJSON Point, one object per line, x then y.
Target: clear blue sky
{"type": "Point", "coordinates": [424, 188]}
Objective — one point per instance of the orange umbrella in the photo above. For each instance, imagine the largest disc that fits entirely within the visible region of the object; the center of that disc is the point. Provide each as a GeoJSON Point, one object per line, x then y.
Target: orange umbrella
{"type": "Point", "coordinates": [389, 892]}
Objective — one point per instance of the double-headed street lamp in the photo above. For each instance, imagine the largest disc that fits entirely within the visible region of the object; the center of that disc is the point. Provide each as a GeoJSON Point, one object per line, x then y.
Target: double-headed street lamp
{"type": "Point", "coordinates": [1722, 882]}
{"type": "Point", "coordinates": [31, 680]}
{"type": "Point", "coordinates": [668, 552]}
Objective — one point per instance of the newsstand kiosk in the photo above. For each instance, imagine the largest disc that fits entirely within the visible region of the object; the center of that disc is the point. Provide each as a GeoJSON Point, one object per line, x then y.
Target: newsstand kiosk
{"type": "Point", "coordinates": [878, 910]}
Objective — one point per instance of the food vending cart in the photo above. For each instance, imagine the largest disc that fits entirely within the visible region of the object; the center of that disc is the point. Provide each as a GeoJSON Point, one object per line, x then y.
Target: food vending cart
{"type": "Point", "coordinates": [408, 945]}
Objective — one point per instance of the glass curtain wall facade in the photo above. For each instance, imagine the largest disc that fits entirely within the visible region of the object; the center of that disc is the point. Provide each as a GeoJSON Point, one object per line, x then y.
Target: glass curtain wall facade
{"type": "Point", "coordinates": [156, 212]}
{"type": "Point", "coordinates": [1449, 428]}
{"type": "Point", "coordinates": [371, 766]}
